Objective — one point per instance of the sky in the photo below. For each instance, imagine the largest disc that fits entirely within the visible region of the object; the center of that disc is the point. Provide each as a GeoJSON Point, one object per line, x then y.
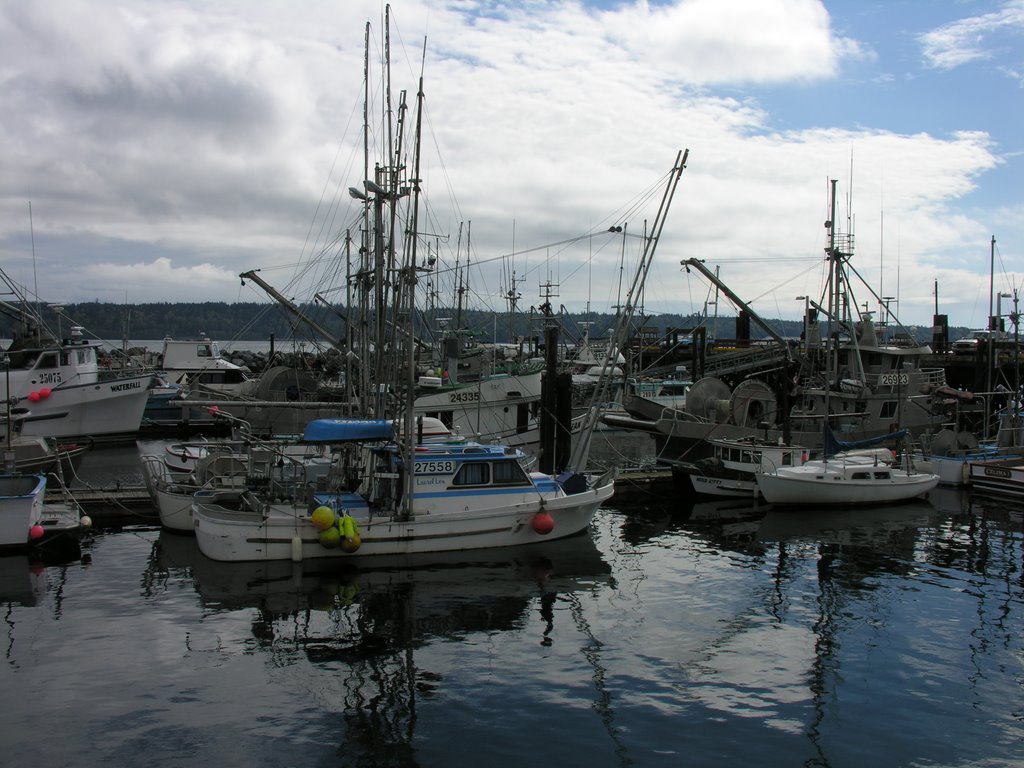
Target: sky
{"type": "Point", "coordinates": [154, 150]}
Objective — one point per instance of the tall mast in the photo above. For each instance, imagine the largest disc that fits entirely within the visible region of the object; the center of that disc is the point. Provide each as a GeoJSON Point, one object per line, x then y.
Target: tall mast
{"type": "Point", "coordinates": [992, 322]}
{"type": "Point", "coordinates": [409, 446]}
{"type": "Point", "coordinates": [834, 289]}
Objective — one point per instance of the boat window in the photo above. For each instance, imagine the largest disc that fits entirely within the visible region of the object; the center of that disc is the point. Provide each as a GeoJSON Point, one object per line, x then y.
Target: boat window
{"type": "Point", "coordinates": [202, 350]}
{"type": "Point", "coordinates": [883, 476]}
{"type": "Point", "coordinates": [474, 473]}
{"type": "Point", "coordinates": [787, 459]}
{"type": "Point", "coordinates": [888, 409]}
{"type": "Point", "coordinates": [509, 473]}
{"type": "Point", "coordinates": [47, 360]}
{"type": "Point", "coordinates": [860, 476]}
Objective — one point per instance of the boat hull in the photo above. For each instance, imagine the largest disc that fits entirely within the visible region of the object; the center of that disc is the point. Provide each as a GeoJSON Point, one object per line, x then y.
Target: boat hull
{"type": "Point", "coordinates": [798, 487]}
{"type": "Point", "coordinates": [21, 507]}
{"type": "Point", "coordinates": [1003, 477]}
{"type": "Point", "coordinates": [102, 410]}
{"type": "Point", "coordinates": [228, 531]}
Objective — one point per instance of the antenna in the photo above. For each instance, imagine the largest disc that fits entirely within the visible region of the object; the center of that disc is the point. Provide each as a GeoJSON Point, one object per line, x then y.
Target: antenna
{"type": "Point", "coordinates": [32, 234]}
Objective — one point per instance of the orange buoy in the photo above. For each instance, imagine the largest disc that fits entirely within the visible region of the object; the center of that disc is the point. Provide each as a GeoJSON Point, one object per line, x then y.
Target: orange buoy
{"type": "Point", "coordinates": [543, 523]}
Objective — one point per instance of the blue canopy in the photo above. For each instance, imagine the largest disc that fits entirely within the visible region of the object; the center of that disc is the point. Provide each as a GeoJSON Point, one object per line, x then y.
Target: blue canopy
{"type": "Point", "coordinates": [834, 445]}
{"type": "Point", "coordinates": [348, 430]}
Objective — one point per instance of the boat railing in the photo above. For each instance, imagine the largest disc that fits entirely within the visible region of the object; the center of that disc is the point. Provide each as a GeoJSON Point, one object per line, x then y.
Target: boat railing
{"type": "Point", "coordinates": [670, 414]}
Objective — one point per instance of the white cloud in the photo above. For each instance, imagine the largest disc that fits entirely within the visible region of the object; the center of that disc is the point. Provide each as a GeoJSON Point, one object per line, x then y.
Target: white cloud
{"type": "Point", "coordinates": [966, 40]}
{"type": "Point", "coordinates": [190, 143]}
{"type": "Point", "coordinates": [700, 42]}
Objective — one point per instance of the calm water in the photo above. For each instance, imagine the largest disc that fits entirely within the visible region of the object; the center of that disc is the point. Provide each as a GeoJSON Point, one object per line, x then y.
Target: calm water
{"type": "Point", "coordinates": [719, 634]}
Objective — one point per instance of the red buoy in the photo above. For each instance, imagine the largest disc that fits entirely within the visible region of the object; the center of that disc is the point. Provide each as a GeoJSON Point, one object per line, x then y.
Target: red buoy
{"type": "Point", "coordinates": [33, 397]}
{"type": "Point", "coordinates": [36, 531]}
{"type": "Point", "coordinates": [543, 523]}
{"type": "Point", "coordinates": [45, 392]}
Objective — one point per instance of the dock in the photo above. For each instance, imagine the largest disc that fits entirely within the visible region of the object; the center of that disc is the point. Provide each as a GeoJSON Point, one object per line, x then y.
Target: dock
{"type": "Point", "coordinates": [120, 495]}
{"type": "Point", "coordinates": [639, 484]}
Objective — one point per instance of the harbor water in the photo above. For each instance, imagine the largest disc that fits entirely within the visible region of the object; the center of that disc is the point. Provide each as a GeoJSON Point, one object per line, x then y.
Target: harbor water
{"type": "Point", "coordinates": [672, 634]}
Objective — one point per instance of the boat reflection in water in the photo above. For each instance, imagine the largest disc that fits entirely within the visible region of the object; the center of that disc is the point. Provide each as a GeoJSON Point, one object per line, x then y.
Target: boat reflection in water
{"type": "Point", "coordinates": [357, 628]}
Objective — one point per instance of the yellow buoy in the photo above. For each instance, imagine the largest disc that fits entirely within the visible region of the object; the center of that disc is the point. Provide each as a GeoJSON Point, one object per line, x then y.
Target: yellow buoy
{"type": "Point", "coordinates": [330, 538]}
{"type": "Point", "coordinates": [322, 518]}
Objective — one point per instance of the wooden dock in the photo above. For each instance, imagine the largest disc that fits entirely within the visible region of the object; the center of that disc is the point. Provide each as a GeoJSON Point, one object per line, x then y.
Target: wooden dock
{"type": "Point", "coordinates": [120, 495]}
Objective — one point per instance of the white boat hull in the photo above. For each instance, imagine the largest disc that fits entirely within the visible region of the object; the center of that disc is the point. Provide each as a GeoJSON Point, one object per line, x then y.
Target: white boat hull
{"type": "Point", "coordinates": [228, 533]}
{"type": "Point", "coordinates": [724, 487]}
{"type": "Point", "coordinates": [101, 409]}
{"type": "Point", "coordinates": [21, 507]}
{"type": "Point", "coordinates": [807, 484]}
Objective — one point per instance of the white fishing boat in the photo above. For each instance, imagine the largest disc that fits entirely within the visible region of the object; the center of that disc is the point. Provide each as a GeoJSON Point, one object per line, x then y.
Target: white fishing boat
{"type": "Point", "coordinates": [387, 491]}
{"type": "Point", "coordinates": [649, 398]}
{"type": "Point", "coordinates": [731, 469]}
{"type": "Point", "coordinates": [458, 496]}
{"type": "Point", "coordinates": [57, 390]}
{"type": "Point", "coordinates": [174, 472]}
{"type": "Point", "coordinates": [198, 366]}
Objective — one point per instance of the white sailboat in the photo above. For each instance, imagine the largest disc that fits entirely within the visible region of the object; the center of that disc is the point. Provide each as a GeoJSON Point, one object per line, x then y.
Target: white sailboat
{"type": "Point", "coordinates": [849, 479]}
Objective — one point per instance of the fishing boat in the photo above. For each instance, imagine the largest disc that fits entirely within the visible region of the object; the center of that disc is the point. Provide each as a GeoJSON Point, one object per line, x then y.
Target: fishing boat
{"type": "Point", "coordinates": [1000, 477]}
{"type": "Point", "coordinates": [647, 398]}
{"type": "Point", "coordinates": [844, 373]}
{"type": "Point", "coordinates": [452, 496]}
{"type": "Point", "coordinates": [388, 491]}
{"type": "Point", "coordinates": [733, 465]}
{"type": "Point", "coordinates": [56, 387]}
{"type": "Point", "coordinates": [200, 368]}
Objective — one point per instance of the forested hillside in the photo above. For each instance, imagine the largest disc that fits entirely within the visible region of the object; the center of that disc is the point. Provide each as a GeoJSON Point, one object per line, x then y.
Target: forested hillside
{"type": "Point", "coordinates": [258, 321]}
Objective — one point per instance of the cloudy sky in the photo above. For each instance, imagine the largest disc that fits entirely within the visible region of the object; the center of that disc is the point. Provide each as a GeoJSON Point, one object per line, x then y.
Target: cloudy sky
{"type": "Point", "coordinates": [163, 147]}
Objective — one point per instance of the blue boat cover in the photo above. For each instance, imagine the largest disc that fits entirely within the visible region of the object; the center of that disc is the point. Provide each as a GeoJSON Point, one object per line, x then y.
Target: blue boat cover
{"type": "Point", "coordinates": [348, 430]}
{"type": "Point", "coordinates": [834, 445]}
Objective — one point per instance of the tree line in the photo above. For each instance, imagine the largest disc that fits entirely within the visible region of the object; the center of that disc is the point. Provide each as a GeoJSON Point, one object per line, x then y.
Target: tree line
{"type": "Point", "coordinates": [261, 321]}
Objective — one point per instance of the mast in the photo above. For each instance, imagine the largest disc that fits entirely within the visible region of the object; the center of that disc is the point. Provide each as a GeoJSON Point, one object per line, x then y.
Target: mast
{"type": "Point", "coordinates": [992, 322]}
{"type": "Point", "coordinates": [834, 278]}
{"type": "Point", "coordinates": [581, 450]}
{"type": "Point", "coordinates": [409, 447]}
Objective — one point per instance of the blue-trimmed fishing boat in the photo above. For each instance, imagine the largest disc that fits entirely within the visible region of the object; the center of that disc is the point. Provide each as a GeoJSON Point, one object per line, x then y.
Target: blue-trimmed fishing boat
{"type": "Point", "coordinates": [457, 495]}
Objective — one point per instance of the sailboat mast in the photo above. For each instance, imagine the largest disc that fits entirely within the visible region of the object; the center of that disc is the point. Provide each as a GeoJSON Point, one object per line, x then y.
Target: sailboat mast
{"type": "Point", "coordinates": [363, 272]}
{"type": "Point", "coordinates": [992, 322]}
{"type": "Point", "coordinates": [410, 271]}
{"type": "Point", "coordinates": [834, 289]}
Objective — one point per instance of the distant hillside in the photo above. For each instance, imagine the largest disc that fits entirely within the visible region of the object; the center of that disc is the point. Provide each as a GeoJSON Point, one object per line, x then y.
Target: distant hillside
{"type": "Point", "coordinates": [256, 321]}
